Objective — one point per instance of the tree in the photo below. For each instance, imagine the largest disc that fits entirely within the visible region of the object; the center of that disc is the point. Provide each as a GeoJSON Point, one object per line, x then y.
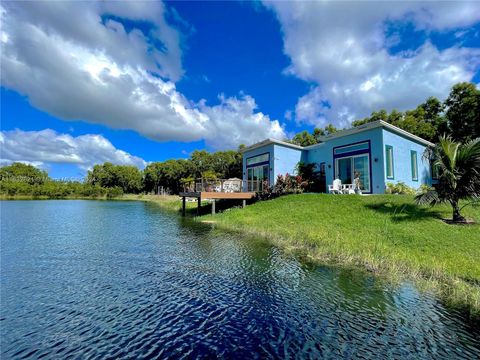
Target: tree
{"type": "Point", "coordinates": [395, 117]}
{"type": "Point", "coordinates": [330, 129]}
{"type": "Point", "coordinates": [413, 122]}
{"type": "Point", "coordinates": [304, 138]}
{"type": "Point", "coordinates": [167, 174]}
{"type": "Point", "coordinates": [425, 121]}
{"type": "Point", "coordinates": [463, 111]}
{"type": "Point", "coordinates": [108, 175]}
{"type": "Point", "coordinates": [458, 174]}
{"type": "Point", "coordinates": [433, 109]}
{"type": "Point", "coordinates": [201, 161]}
{"type": "Point", "coordinates": [318, 133]}
{"type": "Point", "coordinates": [374, 116]}
{"type": "Point", "coordinates": [20, 172]}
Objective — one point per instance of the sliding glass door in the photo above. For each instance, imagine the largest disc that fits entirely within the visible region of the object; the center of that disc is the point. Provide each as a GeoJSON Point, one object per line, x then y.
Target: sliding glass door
{"type": "Point", "coordinates": [257, 171]}
{"type": "Point", "coordinates": [347, 167]}
{"type": "Point", "coordinates": [256, 176]}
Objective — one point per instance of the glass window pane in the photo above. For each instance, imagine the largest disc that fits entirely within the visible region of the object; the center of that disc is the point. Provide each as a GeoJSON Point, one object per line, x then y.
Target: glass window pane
{"type": "Point", "coordinates": [344, 170]}
{"type": "Point", "coordinates": [258, 159]}
{"type": "Point", "coordinates": [413, 155]}
{"type": "Point", "coordinates": [361, 167]}
{"type": "Point", "coordinates": [350, 148]}
{"type": "Point", "coordinates": [265, 173]}
{"type": "Point", "coordinates": [389, 161]}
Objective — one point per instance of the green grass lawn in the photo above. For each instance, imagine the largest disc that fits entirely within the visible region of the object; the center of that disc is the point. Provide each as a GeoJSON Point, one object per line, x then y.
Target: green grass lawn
{"type": "Point", "coordinates": [388, 234]}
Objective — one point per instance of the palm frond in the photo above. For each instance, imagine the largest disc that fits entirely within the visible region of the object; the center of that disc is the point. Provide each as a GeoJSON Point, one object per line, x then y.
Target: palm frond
{"type": "Point", "coordinates": [429, 197]}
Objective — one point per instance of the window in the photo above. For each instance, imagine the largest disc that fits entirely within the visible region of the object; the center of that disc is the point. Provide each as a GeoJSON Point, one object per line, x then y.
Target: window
{"type": "Point", "coordinates": [322, 169]}
{"type": "Point", "coordinates": [413, 161]}
{"type": "Point", "coordinates": [258, 159]}
{"type": "Point", "coordinates": [389, 161]}
{"type": "Point", "coordinates": [351, 148]}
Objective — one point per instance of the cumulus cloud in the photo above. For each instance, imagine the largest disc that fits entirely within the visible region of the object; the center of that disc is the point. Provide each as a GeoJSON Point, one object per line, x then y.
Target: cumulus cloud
{"type": "Point", "coordinates": [45, 147]}
{"type": "Point", "coordinates": [343, 48]}
{"type": "Point", "coordinates": [100, 70]}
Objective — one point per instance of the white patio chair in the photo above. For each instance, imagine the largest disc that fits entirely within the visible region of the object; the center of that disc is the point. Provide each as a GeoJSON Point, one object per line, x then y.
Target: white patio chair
{"type": "Point", "coordinates": [348, 189]}
{"type": "Point", "coordinates": [336, 187]}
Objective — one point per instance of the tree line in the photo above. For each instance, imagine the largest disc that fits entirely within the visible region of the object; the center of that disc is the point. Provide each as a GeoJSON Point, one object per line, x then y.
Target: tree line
{"type": "Point", "coordinates": [458, 117]}
{"type": "Point", "coordinates": [113, 180]}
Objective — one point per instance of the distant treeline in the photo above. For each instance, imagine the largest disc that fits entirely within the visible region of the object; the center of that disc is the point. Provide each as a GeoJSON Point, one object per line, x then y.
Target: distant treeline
{"type": "Point", "coordinates": [109, 180]}
{"type": "Point", "coordinates": [458, 116]}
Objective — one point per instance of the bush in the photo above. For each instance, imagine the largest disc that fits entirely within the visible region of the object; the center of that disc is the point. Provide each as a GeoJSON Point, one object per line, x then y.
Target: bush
{"type": "Point", "coordinates": [284, 185]}
{"type": "Point", "coordinates": [114, 192]}
{"type": "Point", "coordinates": [399, 188]}
{"type": "Point", "coordinates": [424, 188]}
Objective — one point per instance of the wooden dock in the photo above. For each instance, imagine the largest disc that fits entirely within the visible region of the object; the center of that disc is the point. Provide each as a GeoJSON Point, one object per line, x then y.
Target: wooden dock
{"type": "Point", "coordinates": [214, 195]}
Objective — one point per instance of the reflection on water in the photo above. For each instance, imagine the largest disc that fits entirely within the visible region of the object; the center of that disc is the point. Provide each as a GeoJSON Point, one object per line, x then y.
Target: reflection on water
{"type": "Point", "coordinates": [124, 279]}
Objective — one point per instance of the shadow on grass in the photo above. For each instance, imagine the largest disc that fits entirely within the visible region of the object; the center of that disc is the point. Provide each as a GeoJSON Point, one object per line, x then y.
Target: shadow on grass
{"type": "Point", "coordinates": [405, 212]}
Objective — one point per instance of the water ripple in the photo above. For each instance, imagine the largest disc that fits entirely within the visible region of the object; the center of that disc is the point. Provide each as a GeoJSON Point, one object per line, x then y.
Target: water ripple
{"type": "Point", "coordinates": [125, 280]}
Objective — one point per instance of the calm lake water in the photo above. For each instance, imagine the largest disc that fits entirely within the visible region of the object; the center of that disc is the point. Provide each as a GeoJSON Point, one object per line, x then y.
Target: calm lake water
{"type": "Point", "coordinates": [99, 279]}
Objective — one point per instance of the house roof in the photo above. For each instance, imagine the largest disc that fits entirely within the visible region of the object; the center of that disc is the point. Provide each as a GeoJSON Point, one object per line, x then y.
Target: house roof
{"type": "Point", "coordinates": [370, 126]}
{"type": "Point", "coordinates": [272, 141]}
{"type": "Point", "coordinates": [341, 133]}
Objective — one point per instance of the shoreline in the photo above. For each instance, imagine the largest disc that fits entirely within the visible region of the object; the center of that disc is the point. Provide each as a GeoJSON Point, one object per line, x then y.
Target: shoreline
{"type": "Point", "coordinates": [455, 291]}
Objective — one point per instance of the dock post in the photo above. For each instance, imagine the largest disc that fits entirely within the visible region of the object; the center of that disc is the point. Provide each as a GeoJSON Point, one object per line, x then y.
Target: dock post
{"type": "Point", "coordinates": [183, 206]}
{"type": "Point", "coordinates": [244, 203]}
{"type": "Point", "coordinates": [213, 207]}
{"type": "Point", "coordinates": [199, 203]}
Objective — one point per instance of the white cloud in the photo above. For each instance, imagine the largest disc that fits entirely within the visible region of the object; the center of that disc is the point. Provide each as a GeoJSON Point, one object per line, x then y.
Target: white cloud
{"type": "Point", "coordinates": [96, 70]}
{"type": "Point", "coordinates": [342, 47]}
{"type": "Point", "coordinates": [45, 147]}
{"type": "Point", "coordinates": [235, 121]}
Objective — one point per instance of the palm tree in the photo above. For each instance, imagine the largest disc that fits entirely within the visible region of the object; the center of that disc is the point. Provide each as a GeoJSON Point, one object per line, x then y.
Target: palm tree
{"type": "Point", "coordinates": [458, 168]}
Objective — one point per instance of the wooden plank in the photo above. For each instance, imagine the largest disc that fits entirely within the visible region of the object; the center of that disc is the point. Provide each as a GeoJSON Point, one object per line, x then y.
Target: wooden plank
{"type": "Point", "coordinates": [233, 195]}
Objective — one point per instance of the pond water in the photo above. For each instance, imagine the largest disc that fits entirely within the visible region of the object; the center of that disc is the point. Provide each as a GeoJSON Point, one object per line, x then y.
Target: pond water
{"type": "Point", "coordinates": [101, 279]}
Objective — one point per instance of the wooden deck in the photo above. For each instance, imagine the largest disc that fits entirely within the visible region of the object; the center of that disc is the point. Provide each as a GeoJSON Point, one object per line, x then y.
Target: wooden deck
{"type": "Point", "coordinates": [219, 195]}
{"type": "Point", "coordinates": [213, 195]}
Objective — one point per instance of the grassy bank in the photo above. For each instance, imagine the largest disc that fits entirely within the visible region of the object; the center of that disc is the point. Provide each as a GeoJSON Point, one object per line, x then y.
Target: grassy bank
{"type": "Point", "coordinates": [385, 234]}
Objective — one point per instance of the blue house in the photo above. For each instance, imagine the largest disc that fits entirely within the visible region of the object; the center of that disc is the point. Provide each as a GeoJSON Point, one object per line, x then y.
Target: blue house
{"type": "Point", "coordinates": [379, 152]}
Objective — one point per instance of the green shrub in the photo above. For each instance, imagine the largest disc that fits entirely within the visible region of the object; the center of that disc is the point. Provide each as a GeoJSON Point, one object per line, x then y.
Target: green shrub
{"type": "Point", "coordinates": [114, 192]}
{"type": "Point", "coordinates": [399, 188]}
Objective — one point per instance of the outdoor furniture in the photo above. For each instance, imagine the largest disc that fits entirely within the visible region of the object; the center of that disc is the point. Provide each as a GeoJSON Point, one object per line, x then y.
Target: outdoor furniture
{"type": "Point", "coordinates": [348, 189]}
{"type": "Point", "coordinates": [336, 187]}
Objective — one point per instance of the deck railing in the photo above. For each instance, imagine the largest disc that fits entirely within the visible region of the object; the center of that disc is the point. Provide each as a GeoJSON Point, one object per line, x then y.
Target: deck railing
{"type": "Point", "coordinates": [224, 185]}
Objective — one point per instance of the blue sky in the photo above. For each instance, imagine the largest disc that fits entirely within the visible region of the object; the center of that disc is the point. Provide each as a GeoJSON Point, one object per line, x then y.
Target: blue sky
{"type": "Point", "coordinates": [138, 82]}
